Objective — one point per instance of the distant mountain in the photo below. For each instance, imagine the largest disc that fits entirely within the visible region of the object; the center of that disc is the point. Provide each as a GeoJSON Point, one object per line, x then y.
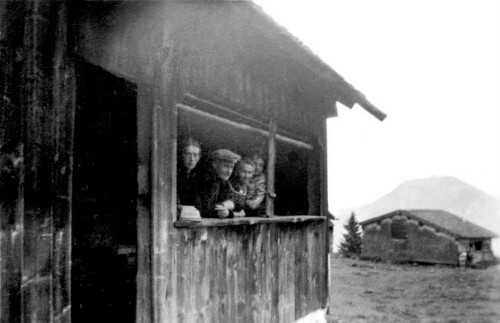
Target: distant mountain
{"type": "Point", "coordinates": [437, 192]}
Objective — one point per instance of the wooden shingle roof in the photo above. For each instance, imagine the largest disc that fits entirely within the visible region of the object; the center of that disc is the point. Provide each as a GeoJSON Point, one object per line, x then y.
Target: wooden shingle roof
{"type": "Point", "coordinates": [441, 220]}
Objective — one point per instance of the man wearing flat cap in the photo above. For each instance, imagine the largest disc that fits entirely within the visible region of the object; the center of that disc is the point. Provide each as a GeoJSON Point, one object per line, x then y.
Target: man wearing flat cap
{"type": "Point", "coordinates": [214, 191]}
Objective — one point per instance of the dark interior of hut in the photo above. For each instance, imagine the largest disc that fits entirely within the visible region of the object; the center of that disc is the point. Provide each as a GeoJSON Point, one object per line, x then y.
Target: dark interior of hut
{"type": "Point", "coordinates": [104, 194]}
{"type": "Point", "coordinates": [214, 132]}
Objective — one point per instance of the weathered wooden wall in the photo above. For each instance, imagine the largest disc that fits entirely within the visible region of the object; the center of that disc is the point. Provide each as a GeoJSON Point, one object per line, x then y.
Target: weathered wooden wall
{"type": "Point", "coordinates": [224, 56]}
{"type": "Point", "coordinates": [279, 270]}
{"type": "Point", "coordinates": [423, 243]}
{"type": "Point", "coordinates": [11, 214]}
{"type": "Point", "coordinates": [228, 59]}
{"type": "Point", "coordinates": [249, 273]}
{"type": "Point", "coordinates": [36, 120]}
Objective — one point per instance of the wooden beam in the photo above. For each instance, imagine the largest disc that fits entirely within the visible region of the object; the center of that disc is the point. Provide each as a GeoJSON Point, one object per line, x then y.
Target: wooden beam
{"type": "Point", "coordinates": [39, 154]}
{"type": "Point", "coordinates": [244, 127]}
{"type": "Point", "coordinates": [145, 283]}
{"type": "Point", "coordinates": [163, 171]}
{"type": "Point", "coordinates": [214, 108]}
{"type": "Point", "coordinates": [246, 221]}
{"type": "Point", "coordinates": [271, 164]}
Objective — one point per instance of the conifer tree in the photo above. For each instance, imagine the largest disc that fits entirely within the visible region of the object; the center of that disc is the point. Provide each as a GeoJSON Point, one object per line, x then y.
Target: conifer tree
{"type": "Point", "coordinates": [351, 244]}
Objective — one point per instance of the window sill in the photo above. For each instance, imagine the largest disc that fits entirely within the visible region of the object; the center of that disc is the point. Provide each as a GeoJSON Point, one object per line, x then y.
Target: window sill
{"type": "Point", "coordinates": [247, 221]}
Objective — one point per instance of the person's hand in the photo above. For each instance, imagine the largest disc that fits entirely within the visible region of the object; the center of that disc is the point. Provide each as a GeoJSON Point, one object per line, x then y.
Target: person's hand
{"type": "Point", "coordinates": [271, 194]}
{"type": "Point", "coordinates": [223, 214]}
{"type": "Point", "coordinates": [228, 205]}
{"type": "Point", "coordinates": [222, 211]}
{"type": "Point", "coordinates": [239, 214]}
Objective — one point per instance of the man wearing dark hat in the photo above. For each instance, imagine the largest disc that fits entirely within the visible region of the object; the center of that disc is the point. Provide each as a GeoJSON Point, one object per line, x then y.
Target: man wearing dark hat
{"type": "Point", "coordinates": [214, 191]}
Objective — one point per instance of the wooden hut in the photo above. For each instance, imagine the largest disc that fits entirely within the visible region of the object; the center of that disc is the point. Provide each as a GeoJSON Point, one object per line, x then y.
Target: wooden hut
{"type": "Point", "coordinates": [94, 98]}
{"type": "Point", "coordinates": [426, 236]}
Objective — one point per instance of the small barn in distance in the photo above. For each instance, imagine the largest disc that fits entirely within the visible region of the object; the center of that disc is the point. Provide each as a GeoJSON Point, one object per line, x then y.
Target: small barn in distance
{"type": "Point", "coordinates": [427, 236]}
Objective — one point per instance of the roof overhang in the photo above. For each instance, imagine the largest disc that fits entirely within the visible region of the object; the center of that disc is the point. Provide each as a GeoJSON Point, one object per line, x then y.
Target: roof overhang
{"type": "Point", "coordinates": [344, 92]}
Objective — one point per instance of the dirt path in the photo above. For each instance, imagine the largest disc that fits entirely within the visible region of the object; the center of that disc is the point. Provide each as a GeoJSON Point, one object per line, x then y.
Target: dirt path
{"type": "Point", "coordinates": [363, 291]}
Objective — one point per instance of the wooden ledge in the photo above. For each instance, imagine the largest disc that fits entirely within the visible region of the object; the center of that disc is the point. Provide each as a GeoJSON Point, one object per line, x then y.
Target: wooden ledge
{"type": "Point", "coordinates": [247, 221]}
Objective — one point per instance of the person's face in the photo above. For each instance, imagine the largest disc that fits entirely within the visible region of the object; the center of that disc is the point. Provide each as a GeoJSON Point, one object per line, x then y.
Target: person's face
{"type": "Point", "coordinates": [223, 168]}
{"type": "Point", "coordinates": [259, 165]}
{"type": "Point", "coordinates": [190, 157]}
{"type": "Point", "coordinates": [245, 173]}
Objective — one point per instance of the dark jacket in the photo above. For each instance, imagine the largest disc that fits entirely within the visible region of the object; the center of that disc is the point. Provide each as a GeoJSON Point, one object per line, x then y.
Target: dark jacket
{"type": "Point", "coordinates": [186, 186]}
{"type": "Point", "coordinates": [211, 190]}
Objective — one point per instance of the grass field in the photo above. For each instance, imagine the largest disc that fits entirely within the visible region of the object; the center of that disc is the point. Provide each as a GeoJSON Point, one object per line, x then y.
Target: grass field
{"type": "Point", "coordinates": [363, 291]}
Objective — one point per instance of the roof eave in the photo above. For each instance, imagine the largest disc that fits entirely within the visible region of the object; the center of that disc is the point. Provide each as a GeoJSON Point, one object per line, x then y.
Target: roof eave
{"type": "Point", "coordinates": [350, 95]}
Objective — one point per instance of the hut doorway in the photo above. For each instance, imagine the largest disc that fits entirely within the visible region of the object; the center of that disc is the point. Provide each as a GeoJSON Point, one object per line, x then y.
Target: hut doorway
{"type": "Point", "coordinates": [104, 229]}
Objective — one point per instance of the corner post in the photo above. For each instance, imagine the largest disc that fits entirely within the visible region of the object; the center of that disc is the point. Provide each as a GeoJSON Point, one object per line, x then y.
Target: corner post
{"type": "Point", "coordinates": [322, 143]}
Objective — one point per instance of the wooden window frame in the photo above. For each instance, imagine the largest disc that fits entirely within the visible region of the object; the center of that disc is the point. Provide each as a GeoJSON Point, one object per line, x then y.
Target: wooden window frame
{"type": "Point", "coordinates": [273, 136]}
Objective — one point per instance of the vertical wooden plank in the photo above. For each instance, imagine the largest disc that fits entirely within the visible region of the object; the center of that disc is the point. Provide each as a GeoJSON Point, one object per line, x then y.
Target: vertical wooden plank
{"type": "Point", "coordinates": [38, 152]}
{"type": "Point", "coordinates": [304, 293]}
{"type": "Point", "coordinates": [312, 269]}
{"type": "Point", "coordinates": [144, 303]}
{"type": "Point", "coordinates": [323, 265]}
{"type": "Point", "coordinates": [286, 278]}
{"type": "Point", "coordinates": [164, 160]}
{"type": "Point", "coordinates": [181, 278]}
{"type": "Point", "coordinates": [222, 285]}
{"type": "Point", "coordinates": [309, 262]}
{"type": "Point", "coordinates": [282, 283]}
{"type": "Point", "coordinates": [246, 269]}
{"type": "Point", "coordinates": [315, 253]}
{"type": "Point", "coordinates": [214, 252]}
{"type": "Point", "coordinates": [298, 278]}
{"type": "Point", "coordinates": [192, 269]}
{"type": "Point", "coordinates": [268, 282]}
{"type": "Point", "coordinates": [301, 274]}
{"type": "Point", "coordinates": [273, 269]}
{"type": "Point", "coordinates": [271, 163]}
{"type": "Point", "coordinates": [188, 276]}
{"type": "Point", "coordinates": [322, 143]}
{"type": "Point", "coordinates": [252, 247]}
{"type": "Point", "coordinates": [11, 163]}
{"type": "Point", "coordinates": [231, 273]}
{"type": "Point", "coordinates": [245, 283]}
{"type": "Point", "coordinates": [202, 277]}
{"type": "Point", "coordinates": [291, 245]}
{"type": "Point", "coordinates": [63, 127]}
{"type": "Point", "coordinates": [11, 236]}
{"type": "Point", "coordinates": [258, 258]}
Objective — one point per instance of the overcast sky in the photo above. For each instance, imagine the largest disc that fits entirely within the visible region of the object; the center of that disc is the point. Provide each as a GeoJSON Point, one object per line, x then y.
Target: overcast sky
{"type": "Point", "coordinates": [431, 66]}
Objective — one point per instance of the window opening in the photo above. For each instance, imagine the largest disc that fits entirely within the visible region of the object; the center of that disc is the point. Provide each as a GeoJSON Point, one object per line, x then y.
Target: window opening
{"type": "Point", "coordinates": [216, 132]}
{"type": "Point", "coordinates": [291, 180]}
{"type": "Point", "coordinates": [399, 229]}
